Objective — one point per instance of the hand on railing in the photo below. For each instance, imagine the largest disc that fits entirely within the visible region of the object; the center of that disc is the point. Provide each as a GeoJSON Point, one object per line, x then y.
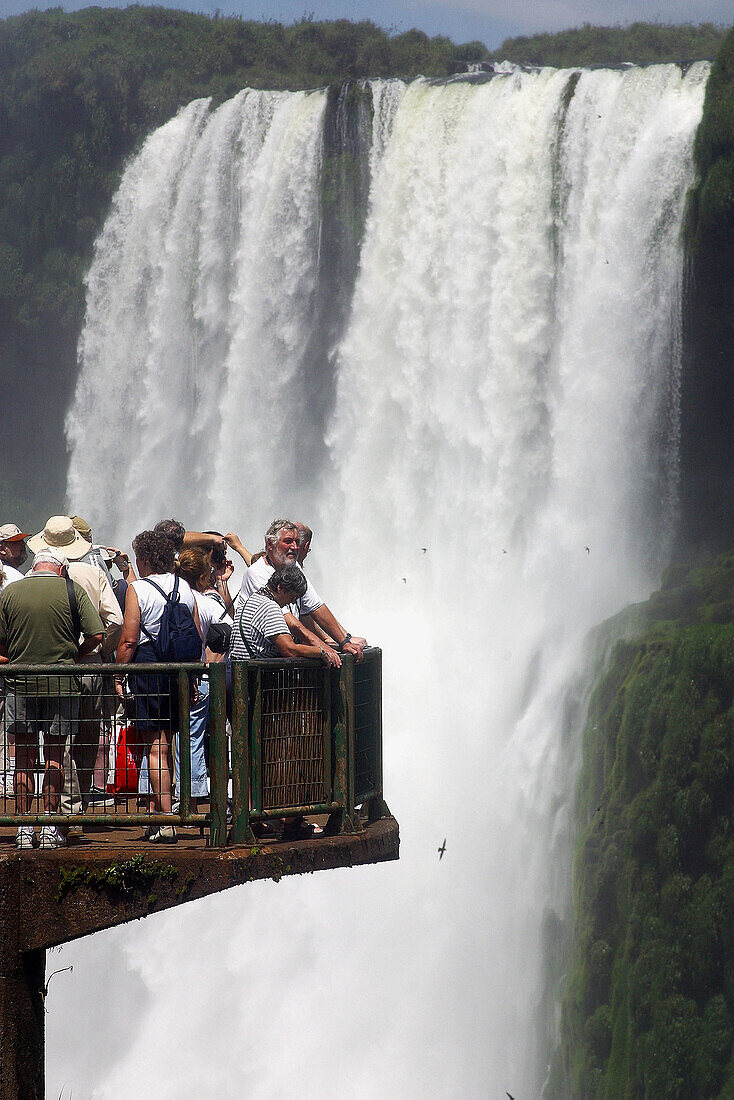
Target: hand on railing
{"type": "Point", "coordinates": [331, 657]}
{"type": "Point", "coordinates": [355, 646]}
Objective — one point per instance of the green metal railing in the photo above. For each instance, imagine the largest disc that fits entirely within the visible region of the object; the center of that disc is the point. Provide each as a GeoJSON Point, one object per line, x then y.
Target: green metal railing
{"type": "Point", "coordinates": [297, 739]}
{"type": "Point", "coordinates": [305, 740]}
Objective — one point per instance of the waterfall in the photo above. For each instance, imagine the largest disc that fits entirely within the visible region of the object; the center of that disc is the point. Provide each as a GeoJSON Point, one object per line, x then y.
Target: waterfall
{"type": "Point", "coordinates": [486, 447]}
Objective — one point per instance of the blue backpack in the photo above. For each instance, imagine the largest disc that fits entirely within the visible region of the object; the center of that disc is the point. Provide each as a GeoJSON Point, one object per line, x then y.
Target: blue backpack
{"type": "Point", "coordinates": [178, 639]}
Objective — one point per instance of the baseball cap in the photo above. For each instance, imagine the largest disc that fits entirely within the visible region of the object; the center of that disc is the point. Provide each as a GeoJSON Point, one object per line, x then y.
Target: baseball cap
{"type": "Point", "coordinates": [10, 533]}
{"type": "Point", "coordinates": [47, 554]}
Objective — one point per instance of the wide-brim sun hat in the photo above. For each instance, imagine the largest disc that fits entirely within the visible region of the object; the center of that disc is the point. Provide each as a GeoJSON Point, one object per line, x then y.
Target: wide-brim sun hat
{"type": "Point", "coordinates": [60, 534]}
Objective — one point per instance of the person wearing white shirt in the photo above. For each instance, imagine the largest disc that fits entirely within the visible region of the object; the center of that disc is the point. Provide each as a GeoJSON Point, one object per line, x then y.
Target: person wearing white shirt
{"type": "Point", "coordinates": [281, 548]}
{"type": "Point", "coordinates": [195, 566]}
{"type": "Point", "coordinates": [156, 697]}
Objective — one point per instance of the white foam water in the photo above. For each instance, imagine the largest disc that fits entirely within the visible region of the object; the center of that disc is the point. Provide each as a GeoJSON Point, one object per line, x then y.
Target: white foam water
{"type": "Point", "coordinates": [498, 474]}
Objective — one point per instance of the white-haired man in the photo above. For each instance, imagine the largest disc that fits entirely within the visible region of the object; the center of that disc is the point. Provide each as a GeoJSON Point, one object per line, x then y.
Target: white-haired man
{"type": "Point", "coordinates": [281, 548]}
{"type": "Point", "coordinates": [41, 620]}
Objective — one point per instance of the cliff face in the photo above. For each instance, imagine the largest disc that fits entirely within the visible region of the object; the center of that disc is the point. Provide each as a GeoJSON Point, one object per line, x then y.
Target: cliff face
{"type": "Point", "coordinates": [707, 391]}
{"type": "Point", "coordinates": [648, 1009]}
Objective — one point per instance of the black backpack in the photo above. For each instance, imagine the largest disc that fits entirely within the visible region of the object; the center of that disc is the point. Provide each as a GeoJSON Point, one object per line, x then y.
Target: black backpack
{"type": "Point", "coordinates": [178, 639]}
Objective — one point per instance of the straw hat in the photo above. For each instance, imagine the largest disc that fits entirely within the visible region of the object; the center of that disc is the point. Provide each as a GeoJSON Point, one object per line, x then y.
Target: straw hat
{"type": "Point", "coordinates": [60, 534]}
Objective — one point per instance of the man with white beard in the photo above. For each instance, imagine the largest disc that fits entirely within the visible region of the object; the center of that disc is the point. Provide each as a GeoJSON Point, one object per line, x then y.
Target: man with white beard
{"type": "Point", "coordinates": [281, 548]}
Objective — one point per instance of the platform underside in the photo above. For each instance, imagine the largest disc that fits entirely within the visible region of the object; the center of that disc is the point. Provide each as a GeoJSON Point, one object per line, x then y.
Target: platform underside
{"type": "Point", "coordinates": [109, 878]}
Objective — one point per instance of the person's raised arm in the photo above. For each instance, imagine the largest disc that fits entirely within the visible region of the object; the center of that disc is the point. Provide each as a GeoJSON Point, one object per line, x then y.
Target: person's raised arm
{"type": "Point", "coordinates": [221, 579]}
{"type": "Point", "coordinates": [123, 563]}
{"type": "Point", "coordinates": [239, 547]}
{"type": "Point", "coordinates": [204, 540]}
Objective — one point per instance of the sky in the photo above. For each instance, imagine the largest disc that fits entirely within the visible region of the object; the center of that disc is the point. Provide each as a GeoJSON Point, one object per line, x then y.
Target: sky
{"type": "Point", "coordinates": [488, 21]}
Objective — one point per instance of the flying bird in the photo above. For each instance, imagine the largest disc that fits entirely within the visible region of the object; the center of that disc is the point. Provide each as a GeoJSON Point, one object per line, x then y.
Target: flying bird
{"type": "Point", "coordinates": [509, 1093]}
{"type": "Point", "coordinates": [587, 550]}
{"type": "Point", "coordinates": [424, 549]}
{"type": "Point", "coordinates": [405, 580]}
{"type": "Point", "coordinates": [503, 550]}
{"type": "Point", "coordinates": [441, 850]}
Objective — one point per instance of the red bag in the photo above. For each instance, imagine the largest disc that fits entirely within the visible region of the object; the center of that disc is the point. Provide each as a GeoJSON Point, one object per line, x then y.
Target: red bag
{"type": "Point", "coordinates": [126, 771]}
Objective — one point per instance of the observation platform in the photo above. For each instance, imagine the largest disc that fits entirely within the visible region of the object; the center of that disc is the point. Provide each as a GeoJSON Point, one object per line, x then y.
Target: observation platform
{"type": "Point", "coordinates": [304, 742]}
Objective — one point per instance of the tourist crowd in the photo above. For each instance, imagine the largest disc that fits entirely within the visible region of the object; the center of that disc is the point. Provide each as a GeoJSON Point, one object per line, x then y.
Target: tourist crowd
{"type": "Point", "coordinates": [84, 602]}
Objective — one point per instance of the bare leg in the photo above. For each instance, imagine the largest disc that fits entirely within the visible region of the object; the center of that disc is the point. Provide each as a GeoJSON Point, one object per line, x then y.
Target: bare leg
{"type": "Point", "coordinates": [53, 780]}
{"type": "Point", "coordinates": [100, 763]}
{"type": "Point", "coordinates": [26, 754]}
{"type": "Point", "coordinates": [159, 771]}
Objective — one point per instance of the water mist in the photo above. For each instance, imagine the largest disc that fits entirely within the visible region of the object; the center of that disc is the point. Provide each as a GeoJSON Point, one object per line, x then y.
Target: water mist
{"type": "Point", "coordinates": [497, 473]}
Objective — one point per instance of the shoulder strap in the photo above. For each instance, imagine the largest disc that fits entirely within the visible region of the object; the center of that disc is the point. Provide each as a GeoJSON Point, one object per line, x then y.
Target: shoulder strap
{"type": "Point", "coordinates": [248, 647]}
{"type": "Point", "coordinates": [158, 588]}
{"type": "Point", "coordinates": [73, 606]}
{"type": "Point", "coordinates": [154, 641]}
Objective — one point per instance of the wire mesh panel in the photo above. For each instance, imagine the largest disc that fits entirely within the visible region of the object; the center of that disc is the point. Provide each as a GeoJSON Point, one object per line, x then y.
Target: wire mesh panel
{"type": "Point", "coordinates": [368, 726]}
{"type": "Point", "coordinates": [94, 742]}
{"type": "Point", "coordinates": [292, 733]}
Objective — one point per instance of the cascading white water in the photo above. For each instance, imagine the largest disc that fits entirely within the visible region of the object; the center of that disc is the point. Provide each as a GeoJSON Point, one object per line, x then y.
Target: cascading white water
{"type": "Point", "coordinates": [498, 475]}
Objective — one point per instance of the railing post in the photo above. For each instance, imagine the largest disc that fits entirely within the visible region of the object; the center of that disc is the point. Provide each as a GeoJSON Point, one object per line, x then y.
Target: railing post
{"type": "Point", "coordinates": [241, 832]}
{"type": "Point", "coordinates": [342, 718]}
{"type": "Point", "coordinates": [218, 770]}
{"type": "Point", "coordinates": [184, 744]}
{"type": "Point", "coordinates": [256, 758]}
{"type": "Point", "coordinates": [377, 807]}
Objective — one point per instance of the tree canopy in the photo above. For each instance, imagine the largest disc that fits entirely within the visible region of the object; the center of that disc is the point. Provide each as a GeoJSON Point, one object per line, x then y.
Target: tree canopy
{"type": "Point", "coordinates": [640, 43]}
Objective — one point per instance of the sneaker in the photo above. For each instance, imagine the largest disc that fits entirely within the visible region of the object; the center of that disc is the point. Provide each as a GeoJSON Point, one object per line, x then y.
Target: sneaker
{"type": "Point", "coordinates": [51, 837]}
{"type": "Point", "coordinates": [166, 834]}
{"type": "Point", "coordinates": [26, 837]}
{"type": "Point", "coordinates": [98, 800]}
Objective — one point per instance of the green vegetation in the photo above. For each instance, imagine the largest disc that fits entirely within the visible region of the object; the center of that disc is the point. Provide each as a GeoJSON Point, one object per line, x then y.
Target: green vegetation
{"type": "Point", "coordinates": [135, 875]}
{"type": "Point", "coordinates": [712, 211]}
{"type": "Point", "coordinates": [79, 93]}
{"type": "Point", "coordinates": [649, 1003]}
{"type": "Point", "coordinates": [707, 397]}
{"type": "Point", "coordinates": [641, 43]}
{"type": "Point", "coordinates": [81, 89]}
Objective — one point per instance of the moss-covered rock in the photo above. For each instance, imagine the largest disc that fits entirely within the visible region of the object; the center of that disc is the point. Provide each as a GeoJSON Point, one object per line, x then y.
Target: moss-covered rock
{"type": "Point", "coordinates": [649, 1007]}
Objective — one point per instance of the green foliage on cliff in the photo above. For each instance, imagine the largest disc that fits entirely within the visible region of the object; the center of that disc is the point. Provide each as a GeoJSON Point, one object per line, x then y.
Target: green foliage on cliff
{"type": "Point", "coordinates": [713, 209]}
{"type": "Point", "coordinates": [79, 92]}
{"type": "Point", "coordinates": [649, 1004]}
{"type": "Point", "coordinates": [641, 43]}
{"type": "Point", "coordinates": [81, 89]}
{"type": "Point", "coordinates": [707, 396]}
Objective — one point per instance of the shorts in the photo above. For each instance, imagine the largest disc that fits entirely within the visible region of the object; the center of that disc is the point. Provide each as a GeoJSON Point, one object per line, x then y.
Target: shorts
{"type": "Point", "coordinates": [54, 716]}
{"type": "Point", "coordinates": [155, 694]}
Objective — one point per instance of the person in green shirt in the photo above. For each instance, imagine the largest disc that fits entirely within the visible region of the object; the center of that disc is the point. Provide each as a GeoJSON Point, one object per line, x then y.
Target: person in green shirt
{"type": "Point", "coordinates": [38, 626]}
